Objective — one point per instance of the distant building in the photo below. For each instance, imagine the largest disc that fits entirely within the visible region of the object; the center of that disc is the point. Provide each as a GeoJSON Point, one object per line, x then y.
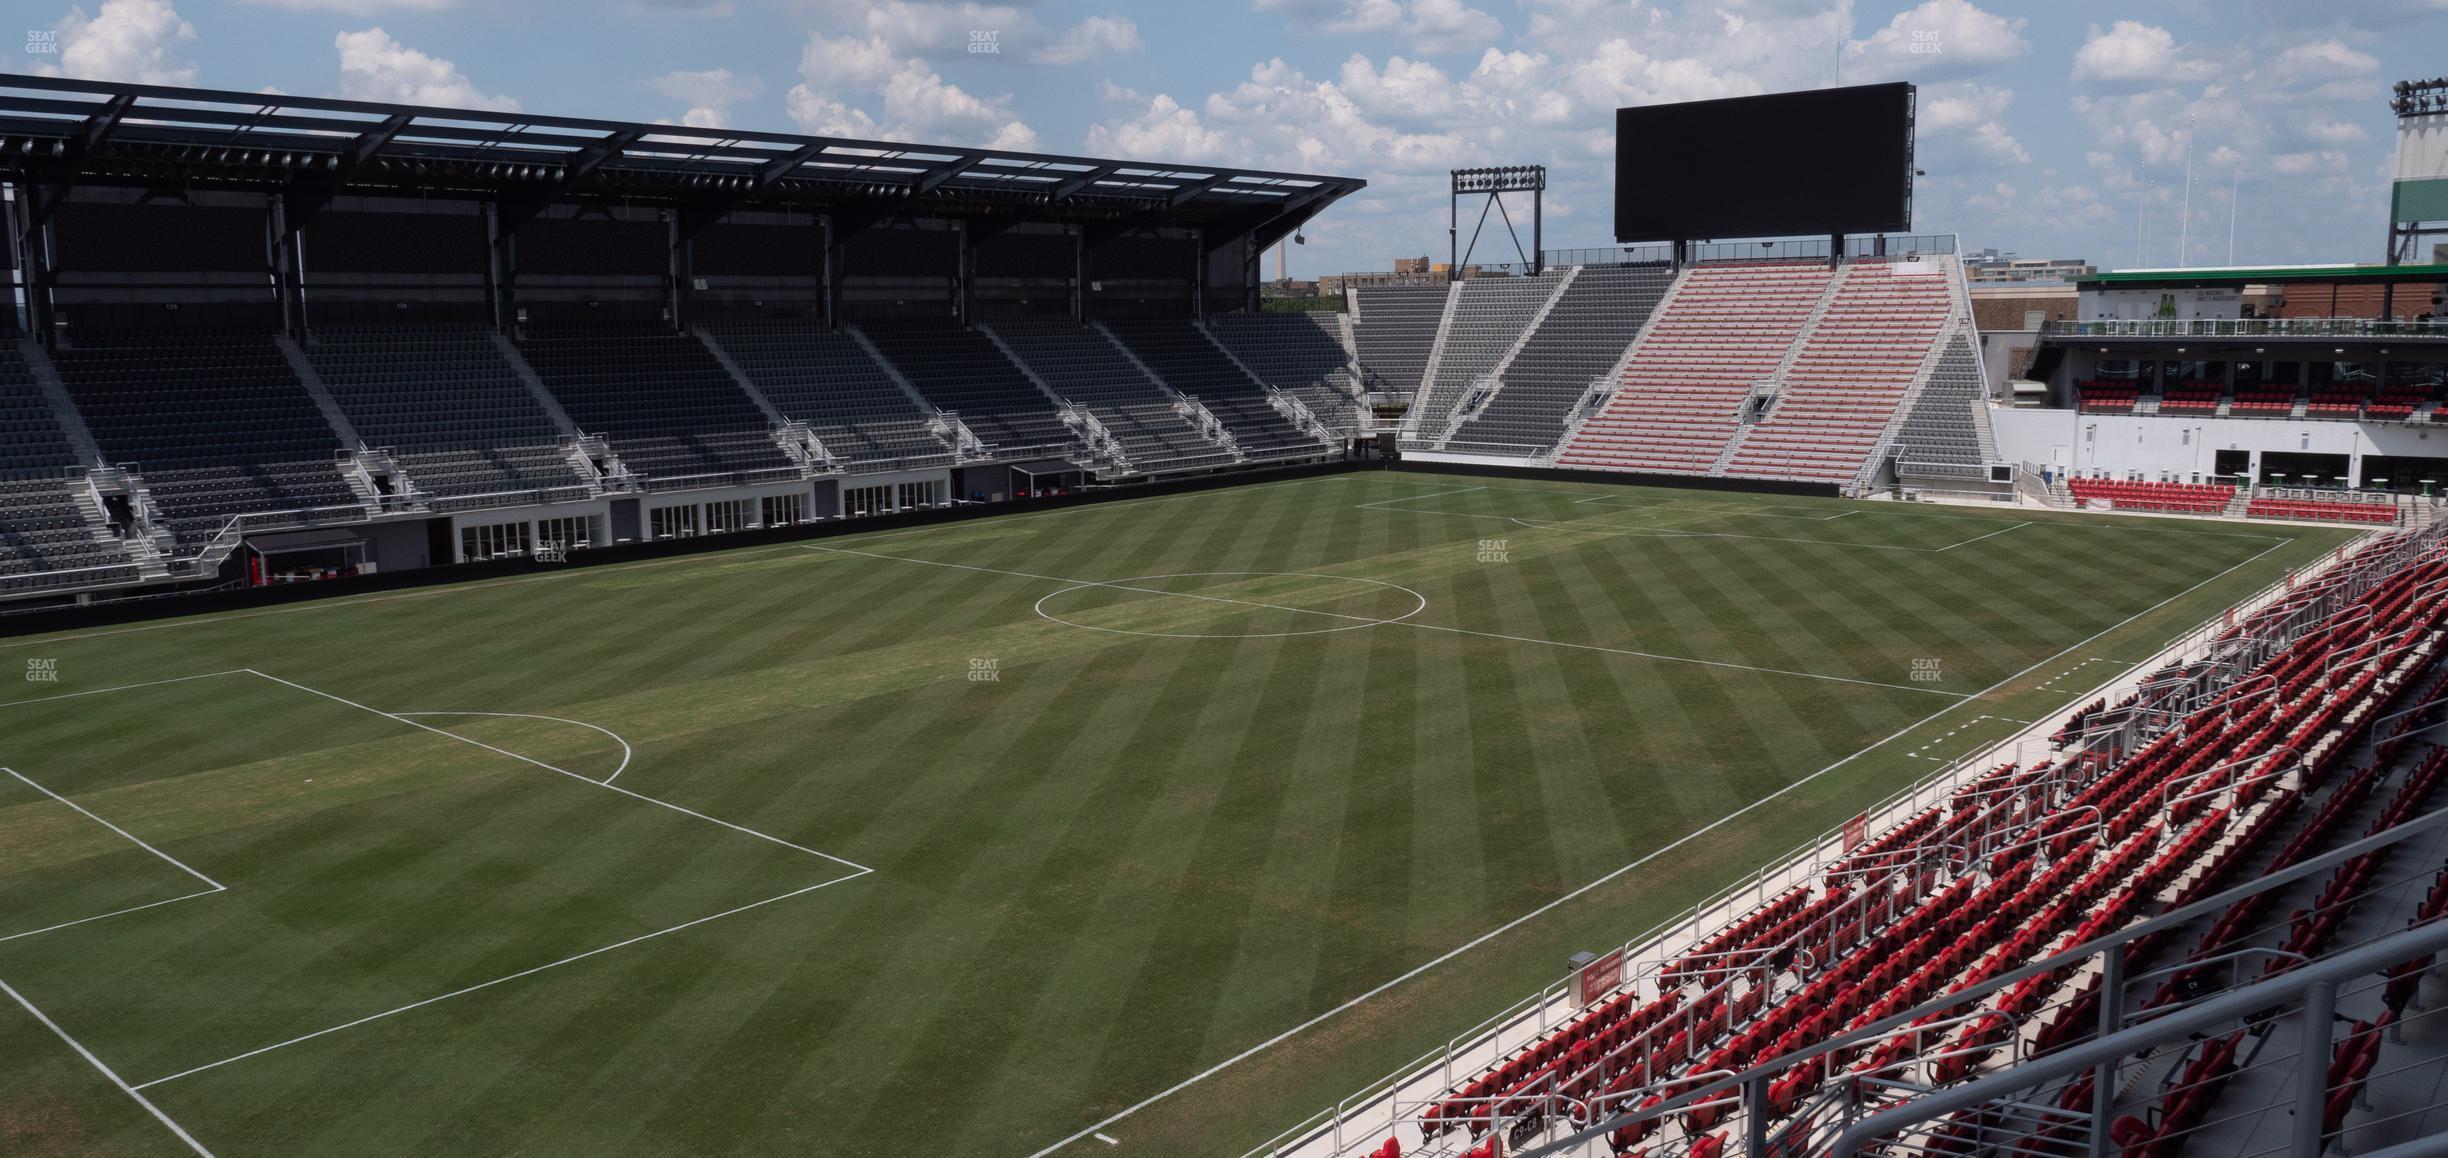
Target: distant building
{"type": "Point", "coordinates": [1411, 265]}
{"type": "Point", "coordinates": [1991, 267]}
{"type": "Point", "coordinates": [1335, 283]}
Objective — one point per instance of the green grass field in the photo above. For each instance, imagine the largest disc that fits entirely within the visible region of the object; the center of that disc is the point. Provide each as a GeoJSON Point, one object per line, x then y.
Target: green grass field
{"type": "Point", "coordinates": [963, 839]}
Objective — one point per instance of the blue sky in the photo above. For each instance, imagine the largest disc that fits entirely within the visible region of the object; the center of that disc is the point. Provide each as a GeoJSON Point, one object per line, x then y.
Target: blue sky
{"type": "Point", "coordinates": [2048, 127]}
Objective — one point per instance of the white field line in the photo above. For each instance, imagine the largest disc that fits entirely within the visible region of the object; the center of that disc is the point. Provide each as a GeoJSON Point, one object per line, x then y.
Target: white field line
{"type": "Point", "coordinates": [1376, 622]}
{"type": "Point", "coordinates": [1093, 508]}
{"type": "Point", "coordinates": [1383, 504]}
{"type": "Point", "coordinates": [1719, 511]}
{"type": "Point", "coordinates": [472, 585]}
{"type": "Point", "coordinates": [130, 837]}
{"type": "Point", "coordinates": [1678, 842]}
{"type": "Point", "coordinates": [1990, 535]}
{"type": "Point", "coordinates": [122, 688]}
{"type": "Point", "coordinates": [113, 913]}
{"type": "Point", "coordinates": [1686, 659]}
{"type": "Point", "coordinates": [765, 836]}
{"type": "Point", "coordinates": [499, 980]}
{"type": "Point", "coordinates": [858, 870]}
{"type": "Point", "coordinates": [626, 751]}
{"type": "Point", "coordinates": [2124, 522]}
{"type": "Point", "coordinates": [1369, 620]}
{"type": "Point", "coordinates": [733, 555]}
{"type": "Point", "coordinates": [106, 1071]}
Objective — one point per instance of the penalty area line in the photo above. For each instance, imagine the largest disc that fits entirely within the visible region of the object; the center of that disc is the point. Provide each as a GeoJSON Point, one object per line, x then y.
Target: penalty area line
{"type": "Point", "coordinates": [482, 985]}
{"type": "Point", "coordinates": [106, 1071]}
{"type": "Point", "coordinates": [1677, 843]}
{"type": "Point", "coordinates": [606, 786]}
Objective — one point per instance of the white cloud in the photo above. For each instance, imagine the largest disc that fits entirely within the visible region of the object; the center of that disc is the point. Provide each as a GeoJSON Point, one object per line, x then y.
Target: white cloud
{"type": "Point", "coordinates": [1975, 113]}
{"type": "Point", "coordinates": [125, 40]}
{"type": "Point", "coordinates": [1094, 37]}
{"type": "Point", "coordinates": [1404, 89]}
{"type": "Point", "coordinates": [1442, 26]}
{"type": "Point", "coordinates": [1430, 26]}
{"type": "Point", "coordinates": [360, 7]}
{"type": "Point", "coordinates": [2334, 132]}
{"type": "Point", "coordinates": [2131, 54]}
{"type": "Point", "coordinates": [919, 105]}
{"type": "Point", "coordinates": [847, 62]}
{"type": "Point", "coordinates": [709, 94]}
{"type": "Point", "coordinates": [375, 67]}
{"type": "Point", "coordinates": [1338, 16]}
{"type": "Point", "coordinates": [926, 28]}
{"type": "Point", "coordinates": [1938, 38]}
{"type": "Point", "coordinates": [915, 102]}
{"type": "Point", "coordinates": [1164, 131]}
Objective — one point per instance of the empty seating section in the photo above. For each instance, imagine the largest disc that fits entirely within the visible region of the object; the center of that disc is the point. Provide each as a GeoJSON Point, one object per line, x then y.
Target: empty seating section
{"type": "Point", "coordinates": [960, 370]}
{"type": "Point", "coordinates": [2108, 397]}
{"type": "Point", "coordinates": [2377, 514]}
{"type": "Point", "coordinates": [822, 377]}
{"type": "Point", "coordinates": [1300, 354]}
{"type": "Point", "coordinates": [1679, 401]}
{"type": "Point", "coordinates": [1085, 368]}
{"type": "Point", "coordinates": [218, 424]}
{"type": "Point", "coordinates": [1940, 437]}
{"type": "Point", "coordinates": [1393, 328]}
{"type": "Point", "coordinates": [2396, 404]}
{"type": "Point", "coordinates": [49, 537]}
{"type": "Point", "coordinates": [1490, 314]}
{"type": "Point", "coordinates": [2012, 865]}
{"type": "Point", "coordinates": [2182, 498]}
{"type": "Point", "coordinates": [452, 410]}
{"type": "Point", "coordinates": [2194, 398]}
{"type": "Point", "coordinates": [1854, 368]}
{"type": "Point", "coordinates": [668, 408]}
{"type": "Point", "coordinates": [2259, 403]}
{"type": "Point", "coordinates": [44, 525]}
{"type": "Point", "coordinates": [31, 442]}
{"type": "Point", "coordinates": [1582, 337]}
{"type": "Point", "coordinates": [1191, 363]}
{"type": "Point", "coordinates": [2337, 402]}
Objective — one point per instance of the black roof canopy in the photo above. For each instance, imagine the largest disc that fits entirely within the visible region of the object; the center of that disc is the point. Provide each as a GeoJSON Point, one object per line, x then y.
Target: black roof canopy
{"type": "Point", "coordinates": [59, 132]}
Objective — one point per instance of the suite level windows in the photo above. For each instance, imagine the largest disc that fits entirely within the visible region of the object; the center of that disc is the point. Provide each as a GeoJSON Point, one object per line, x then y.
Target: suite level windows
{"type": "Point", "coordinates": [494, 541]}
{"type": "Point", "coordinates": [673, 522]}
{"type": "Point", "coordinates": [783, 510]}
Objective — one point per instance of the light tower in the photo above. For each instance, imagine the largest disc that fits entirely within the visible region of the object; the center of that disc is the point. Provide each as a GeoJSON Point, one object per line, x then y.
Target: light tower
{"type": "Point", "coordinates": [2418, 201]}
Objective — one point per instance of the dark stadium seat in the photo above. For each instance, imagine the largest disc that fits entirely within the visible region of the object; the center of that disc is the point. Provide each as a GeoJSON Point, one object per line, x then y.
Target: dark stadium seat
{"type": "Point", "coordinates": [959, 370]}
{"type": "Point", "coordinates": [1303, 354]}
{"type": "Point", "coordinates": [821, 377]}
{"type": "Point", "coordinates": [1193, 364]}
{"type": "Point", "coordinates": [669, 409]}
{"type": "Point", "coordinates": [218, 425]}
{"type": "Point", "coordinates": [1083, 366]}
{"type": "Point", "coordinates": [1581, 338]}
{"type": "Point", "coordinates": [451, 408]}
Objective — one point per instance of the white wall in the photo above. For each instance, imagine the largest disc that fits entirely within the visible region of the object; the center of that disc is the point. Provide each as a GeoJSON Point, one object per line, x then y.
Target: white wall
{"type": "Point", "coordinates": [2182, 447]}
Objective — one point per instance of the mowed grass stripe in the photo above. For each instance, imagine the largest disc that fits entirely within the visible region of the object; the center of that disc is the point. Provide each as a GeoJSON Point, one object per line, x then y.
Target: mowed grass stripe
{"type": "Point", "coordinates": [1121, 861]}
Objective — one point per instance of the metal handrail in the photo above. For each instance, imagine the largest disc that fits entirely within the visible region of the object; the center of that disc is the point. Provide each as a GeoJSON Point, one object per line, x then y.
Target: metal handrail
{"type": "Point", "coordinates": [2243, 1002]}
{"type": "Point", "coordinates": [2209, 632]}
{"type": "Point", "coordinates": [2243, 328]}
{"type": "Point", "coordinates": [2064, 958]}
